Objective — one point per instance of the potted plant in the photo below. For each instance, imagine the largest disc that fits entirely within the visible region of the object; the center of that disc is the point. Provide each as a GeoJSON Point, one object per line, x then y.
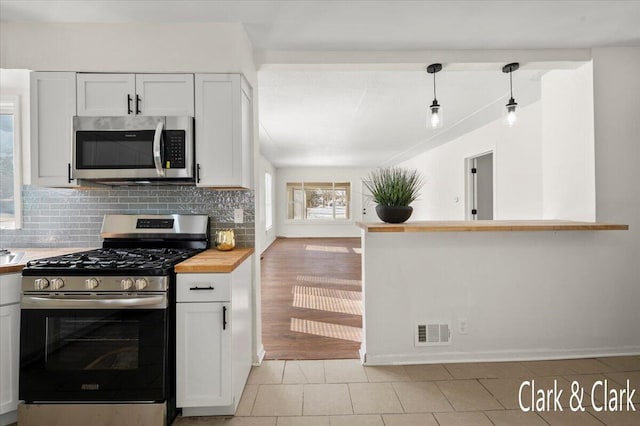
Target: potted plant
{"type": "Point", "coordinates": [394, 188]}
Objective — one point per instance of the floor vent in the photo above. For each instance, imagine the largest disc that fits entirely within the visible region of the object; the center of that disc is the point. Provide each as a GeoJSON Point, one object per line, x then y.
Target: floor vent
{"type": "Point", "coordinates": [432, 333]}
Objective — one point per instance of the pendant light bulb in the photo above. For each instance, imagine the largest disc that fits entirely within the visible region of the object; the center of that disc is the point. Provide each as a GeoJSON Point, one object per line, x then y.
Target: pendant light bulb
{"type": "Point", "coordinates": [511, 106]}
{"type": "Point", "coordinates": [434, 118]}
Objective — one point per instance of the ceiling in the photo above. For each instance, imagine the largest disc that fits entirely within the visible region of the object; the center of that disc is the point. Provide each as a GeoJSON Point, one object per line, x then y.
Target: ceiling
{"type": "Point", "coordinates": [316, 117]}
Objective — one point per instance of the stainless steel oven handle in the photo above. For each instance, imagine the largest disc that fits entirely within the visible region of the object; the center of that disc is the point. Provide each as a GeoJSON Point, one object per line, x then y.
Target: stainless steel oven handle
{"type": "Point", "coordinates": [157, 301]}
{"type": "Point", "coordinates": [157, 157]}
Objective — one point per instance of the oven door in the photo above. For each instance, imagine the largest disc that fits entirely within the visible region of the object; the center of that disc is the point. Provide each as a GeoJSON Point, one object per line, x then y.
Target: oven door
{"type": "Point", "coordinates": [88, 354]}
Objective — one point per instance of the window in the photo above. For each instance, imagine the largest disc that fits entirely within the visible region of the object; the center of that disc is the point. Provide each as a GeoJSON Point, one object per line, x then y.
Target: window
{"type": "Point", "coordinates": [268, 204]}
{"type": "Point", "coordinates": [319, 200]}
{"type": "Point", "coordinates": [10, 170]}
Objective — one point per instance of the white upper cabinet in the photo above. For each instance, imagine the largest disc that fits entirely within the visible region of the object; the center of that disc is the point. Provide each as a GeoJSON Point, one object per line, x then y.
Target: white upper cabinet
{"type": "Point", "coordinates": [53, 105]}
{"type": "Point", "coordinates": [135, 94]}
{"type": "Point", "coordinates": [165, 94]}
{"type": "Point", "coordinates": [224, 131]}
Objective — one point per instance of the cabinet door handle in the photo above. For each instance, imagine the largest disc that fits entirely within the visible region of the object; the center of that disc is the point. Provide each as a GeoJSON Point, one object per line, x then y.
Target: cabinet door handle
{"type": "Point", "coordinates": [69, 173]}
{"type": "Point", "coordinates": [138, 100]}
{"type": "Point", "coordinates": [224, 317]}
{"type": "Point", "coordinates": [198, 173]}
{"type": "Point", "coordinates": [202, 288]}
{"type": "Point", "coordinates": [129, 110]}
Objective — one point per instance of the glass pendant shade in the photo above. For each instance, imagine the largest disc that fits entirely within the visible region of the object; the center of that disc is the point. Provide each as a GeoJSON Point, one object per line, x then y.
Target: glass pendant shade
{"type": "Point", "coordinates": [434, 119]}
{"type": "Point", "coordinates": [434, 116]}
{"type": "Point", "coordinates": [511, 117]}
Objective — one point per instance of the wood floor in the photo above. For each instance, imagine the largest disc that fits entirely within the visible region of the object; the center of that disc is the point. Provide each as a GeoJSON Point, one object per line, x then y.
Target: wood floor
{"type": "Point", "coordinates": [312, 298]}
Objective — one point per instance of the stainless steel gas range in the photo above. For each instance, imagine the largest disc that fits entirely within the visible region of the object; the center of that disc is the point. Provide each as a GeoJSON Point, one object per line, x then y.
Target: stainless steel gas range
{"type": "Point", "coordinates": [98, 327]}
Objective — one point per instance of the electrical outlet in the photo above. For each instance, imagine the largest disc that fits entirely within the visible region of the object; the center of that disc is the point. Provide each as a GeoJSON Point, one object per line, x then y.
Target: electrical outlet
{"type": "Point", "coordinates": [463, 326]}
{"type": "Point", "coordinates": [238, 216]}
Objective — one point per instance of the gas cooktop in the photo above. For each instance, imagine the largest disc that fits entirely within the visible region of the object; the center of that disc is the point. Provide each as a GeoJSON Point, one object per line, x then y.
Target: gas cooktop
{"type": "Point", "coordinates": [112, 261]}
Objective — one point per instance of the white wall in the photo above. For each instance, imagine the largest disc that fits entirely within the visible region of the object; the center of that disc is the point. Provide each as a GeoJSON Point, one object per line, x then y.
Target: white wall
{"type": "Point", "coordinates": [289, 228]}
{"type": "Point", "coordinates": [139, 47]}
{"type": "Point", "coordinates": [568, 165]}
{"type": "Point", "coordinates": [514, 287]}
{"type": "Point", "coordinates": [517, 170]}
{"type": "Point", "coordinates": [264, 236]}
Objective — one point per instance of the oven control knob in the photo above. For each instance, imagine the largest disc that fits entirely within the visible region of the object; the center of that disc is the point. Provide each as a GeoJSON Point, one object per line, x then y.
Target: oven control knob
{"type": "Point", "coordinates": [141, 284]}
{"type": "Point", "coordinates": [91, 283]}
{"type": "Point", "coordinates": [126, 283]}
{"type": "Point", "coordinates": [41, 283]}
{"type": "Point", "coordinates": [57, 283]}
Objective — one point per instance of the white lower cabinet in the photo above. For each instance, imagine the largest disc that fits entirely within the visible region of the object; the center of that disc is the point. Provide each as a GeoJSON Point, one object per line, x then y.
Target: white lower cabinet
{"type": "Point", "coordinates": [9, 346]}
{"type": "Point", "coordinates": [213, 339]}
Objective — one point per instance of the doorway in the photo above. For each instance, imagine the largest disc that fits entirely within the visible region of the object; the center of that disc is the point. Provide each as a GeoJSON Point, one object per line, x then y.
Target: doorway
{"type": "Point", "coordinates": [480, 190]}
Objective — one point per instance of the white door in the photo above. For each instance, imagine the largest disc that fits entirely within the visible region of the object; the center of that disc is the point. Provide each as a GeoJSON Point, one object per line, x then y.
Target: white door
{"type": "Point", "coordinates": [481, 187]}
{"type": "Point", "coordinates": [106, 94]}
{"type": "Point", "coordinates": [203, 363]}
{"type": "Point", "coordinates": [53, 106]}
{"type": "Point", "coordinates": [164, 94]}
{"type": "Point", "coordinates": [368, 206]}
{"type": "Point", "coordinates": [9, 344]}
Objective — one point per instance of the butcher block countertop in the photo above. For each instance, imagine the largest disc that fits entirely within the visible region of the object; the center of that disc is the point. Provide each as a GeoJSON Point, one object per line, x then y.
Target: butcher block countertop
{"type": "Point", "coordinates": [33, 254]}
{"type": "Point", "coordinates": [213, 260]}
{"type": "Point", "coordinates": [490, 225]}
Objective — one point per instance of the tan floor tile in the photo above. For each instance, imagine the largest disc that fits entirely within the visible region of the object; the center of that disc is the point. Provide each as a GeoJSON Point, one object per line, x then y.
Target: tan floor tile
{"type": "Point", "coordinates": [421, 397]}
{"type": "Point", "coordinates": [587, 366]}
{"type": "Point", "coordinates": [622, 418]}
{"type": "Point", "coordinates": [487, 370]}
{"type": "Point", "coordinates": [249, 421]}
{"type": "Point", "coordinates": [326, 399]}
{"type": "Point", "coordinates": [569, 418]}
{"type": "Point", "coordinates": [623, 363]}
{"type": "Point", "coordinates": [303, 372]}
{"type": "Point", "coordinates": [304, 421]}
{"type": "Point", "coordinates": [246, 401]}
{"type": "Point", "coordinates": [462, 419]}
{"type": "Point", "coordinates": [427, 372]}
{"type": "Point", "coordinates": [344, 371]}
{"type": "Point", "coordinates": [515, 418]}
{"type": "Point", "coordinates": [468, 395]}
{"type": "Point", "coordinates": [373, 398]}
{"type": "Point", "coordinates": [507, 391]}
{"type": "Point", "coordinates": [387, 373]}
{"type": "Point", "coordinates": [278, 400]}
{"type": "Point", "coordinates": [586, 382]}
{"type": "Point", "coordinates": [549, 368]}
{"type": "Point", "coordinates": [621, 380]}
{"type": "Point", "coordinates": [268, 373]}
{"type": "Point", "coordinates": [409, 420]}
{"type": "Point", "coordinates": [356, 420]}
{"type": "Point", "coordinates": [198, 421]}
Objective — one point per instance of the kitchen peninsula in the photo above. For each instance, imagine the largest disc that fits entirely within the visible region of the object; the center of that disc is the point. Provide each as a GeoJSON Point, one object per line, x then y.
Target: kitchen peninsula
{"type": "Point", "coordinates": [447, 291]}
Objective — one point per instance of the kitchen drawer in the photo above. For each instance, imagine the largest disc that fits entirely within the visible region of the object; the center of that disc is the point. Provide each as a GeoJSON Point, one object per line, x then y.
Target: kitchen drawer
{"type": "Point", "coordinates": [204, 288]}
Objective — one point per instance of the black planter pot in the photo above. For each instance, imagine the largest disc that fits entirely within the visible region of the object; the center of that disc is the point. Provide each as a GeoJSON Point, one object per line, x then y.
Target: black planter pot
{"type": "Point", "coordinates": [394, 214]}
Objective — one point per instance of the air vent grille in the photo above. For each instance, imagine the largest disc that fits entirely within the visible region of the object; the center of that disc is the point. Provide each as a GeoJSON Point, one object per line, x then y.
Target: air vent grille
{"type": "Point", "coordinates": [432, 333]}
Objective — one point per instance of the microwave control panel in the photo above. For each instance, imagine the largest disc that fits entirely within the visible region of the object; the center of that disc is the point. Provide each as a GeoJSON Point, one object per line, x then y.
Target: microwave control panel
{"type": "Point", "coordinates": [174, 149]}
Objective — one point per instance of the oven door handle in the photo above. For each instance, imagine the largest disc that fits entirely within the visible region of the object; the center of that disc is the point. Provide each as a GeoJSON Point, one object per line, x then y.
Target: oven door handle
{"type": "Point", "coordinates": [157, 157]}
{"type": "Point", "coordinates": [156, 301]}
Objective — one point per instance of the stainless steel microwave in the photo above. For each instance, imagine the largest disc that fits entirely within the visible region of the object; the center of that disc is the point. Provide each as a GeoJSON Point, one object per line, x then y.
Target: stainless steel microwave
{"type": "Point", "coordinates": [141, 149]}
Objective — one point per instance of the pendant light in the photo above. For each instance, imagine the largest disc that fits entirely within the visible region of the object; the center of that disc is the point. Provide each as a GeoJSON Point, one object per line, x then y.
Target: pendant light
{"type": "Point", "coordinates": [512, 104]}
{"type": "Point", "coordinates": [434, 119]}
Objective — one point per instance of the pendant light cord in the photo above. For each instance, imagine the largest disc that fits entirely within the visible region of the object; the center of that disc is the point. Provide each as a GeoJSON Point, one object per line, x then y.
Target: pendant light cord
{"type": "Point", "coordinates": [511, 83]}
{"type": "Point", "coordinates": [434, 86]}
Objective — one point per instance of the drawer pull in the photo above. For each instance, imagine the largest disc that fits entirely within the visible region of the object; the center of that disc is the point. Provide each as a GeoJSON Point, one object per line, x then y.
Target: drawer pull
{"type": "Point", "coordinates": [202, 288]}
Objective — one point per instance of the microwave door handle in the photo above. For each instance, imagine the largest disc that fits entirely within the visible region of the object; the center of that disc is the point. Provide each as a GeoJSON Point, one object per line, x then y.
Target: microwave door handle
{"type": "Point", "coordinates": [157, 157]}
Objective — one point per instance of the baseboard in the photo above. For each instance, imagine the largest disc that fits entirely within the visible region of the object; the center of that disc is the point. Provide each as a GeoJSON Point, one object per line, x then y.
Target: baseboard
{"type": "Point", "coordinates": [259, 356]}
{"type": "Point", "coordinates": [227, 410]}
{"type": "Point", "coordinates": [494, 356]}
{"type": "Point", "coordinates": [9, 418]}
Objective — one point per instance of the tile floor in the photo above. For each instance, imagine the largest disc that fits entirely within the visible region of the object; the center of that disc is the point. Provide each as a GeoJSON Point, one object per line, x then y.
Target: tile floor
{"type": "Point", "coordinates": [344, 393]}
